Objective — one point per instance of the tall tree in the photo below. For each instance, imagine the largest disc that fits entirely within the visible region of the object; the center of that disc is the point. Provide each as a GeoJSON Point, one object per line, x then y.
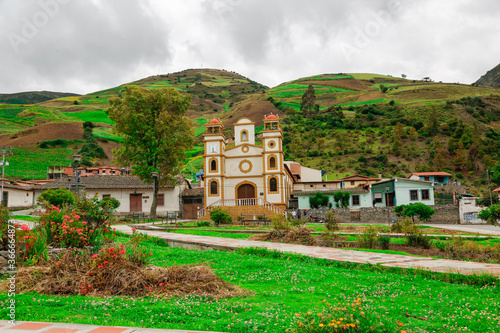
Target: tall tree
{"type": "Point", "coordinates": [308, 100]}
{"type": "Point", "coordinates": [156, 133]}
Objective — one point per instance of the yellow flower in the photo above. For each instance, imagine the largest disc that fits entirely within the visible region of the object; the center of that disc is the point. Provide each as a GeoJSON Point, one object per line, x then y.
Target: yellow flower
{"type": "Point", "coordinates": [321, 325]}
{"type": "Point", "coordinates": [338, 323]}
{"type": "Point", "coordinates": [341, 319]}
{"type": "Point", "coordinates": [298, 314]}
{"type": "Point", "coordinates": [300, 324]}
{"type": "Point", "coordinates": [359, 299]}
{"type": "Point", "coordinates": [352, 325]}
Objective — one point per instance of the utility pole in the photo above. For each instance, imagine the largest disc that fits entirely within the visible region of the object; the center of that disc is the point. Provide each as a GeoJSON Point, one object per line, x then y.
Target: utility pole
{"type": "Point", "coordinates": [5, 151]}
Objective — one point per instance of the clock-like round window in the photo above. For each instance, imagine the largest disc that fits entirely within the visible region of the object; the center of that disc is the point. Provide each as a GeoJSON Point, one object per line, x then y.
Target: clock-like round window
{"type": "Point", "coordinates": [271, 144]}
{"type": "Point", "coordinates": [245, 166]}
{"type": "Point", "coordinates": [245, 149]}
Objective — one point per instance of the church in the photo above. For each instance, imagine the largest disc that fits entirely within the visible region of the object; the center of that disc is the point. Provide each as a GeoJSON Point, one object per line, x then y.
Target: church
{"type": "Point", "coordinates": [247, 178]}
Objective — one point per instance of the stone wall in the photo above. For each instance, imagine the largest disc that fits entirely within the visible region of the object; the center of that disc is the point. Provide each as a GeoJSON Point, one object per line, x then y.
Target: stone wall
{"type": "Point", "coordinates": [445, 214]}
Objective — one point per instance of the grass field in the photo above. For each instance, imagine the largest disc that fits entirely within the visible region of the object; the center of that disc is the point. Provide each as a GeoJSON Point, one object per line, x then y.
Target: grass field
{"type": "Point", "coordinates": [33, 163]}
{"type": "Point", "coordinates": [97, 116]}
{"type": "Point", "coordinates": [280, 287]}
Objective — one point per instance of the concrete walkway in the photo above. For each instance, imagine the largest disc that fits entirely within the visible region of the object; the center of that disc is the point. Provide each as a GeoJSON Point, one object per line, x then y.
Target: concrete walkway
{"type": "Point", "coordinates": [483, 229]}
{"type": "Point", "coordinates": [38, 327]}
{"type": "Point", "coordinates": [383, 259]}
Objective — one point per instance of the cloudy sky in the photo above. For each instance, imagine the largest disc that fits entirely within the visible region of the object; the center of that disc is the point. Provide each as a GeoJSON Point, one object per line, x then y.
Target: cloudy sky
{"type": "Point", "coordinates": [83, 46]}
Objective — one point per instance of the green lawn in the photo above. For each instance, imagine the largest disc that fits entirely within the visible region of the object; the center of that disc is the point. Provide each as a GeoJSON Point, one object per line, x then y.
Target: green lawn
{"type": "Point", "coordinates": [280, 286]}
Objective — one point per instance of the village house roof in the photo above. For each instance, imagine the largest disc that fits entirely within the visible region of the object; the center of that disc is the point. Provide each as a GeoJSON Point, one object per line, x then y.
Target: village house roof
{"type": "Point", "coordinates": [497, 190]}
{"type": "Point", "coordinates": [358, 177]}
{"type": "Point", "coordinates": [193, 192]}
{"type": "Point", "coordinates": [403, 179]}
{"type": "Point", "coordinates": [437, 173]}
{"type": "Point", "coordinates": [100, 182]}
{"type": "Point", "coordinates": [311, 193]}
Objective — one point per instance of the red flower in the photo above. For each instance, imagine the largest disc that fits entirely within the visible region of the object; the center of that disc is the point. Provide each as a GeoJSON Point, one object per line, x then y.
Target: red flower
{"type": "Point", "coordinates": [25, 227]}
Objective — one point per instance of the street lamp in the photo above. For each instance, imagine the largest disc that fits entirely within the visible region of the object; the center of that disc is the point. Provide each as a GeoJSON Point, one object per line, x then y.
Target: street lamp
{"type": "Point", "coordinates": [153, 209]}
{"type": "Point", "coordinates": [387, 189]}
{"type": "Point", "coordinates": [76, 159]}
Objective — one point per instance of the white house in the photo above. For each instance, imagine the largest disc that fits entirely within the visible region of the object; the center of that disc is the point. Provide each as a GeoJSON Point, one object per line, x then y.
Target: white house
{"type": "Point", "coordinates": [359, 197]}
{"type": "Point", "coordinates": [133, 194]}
{"type": "Point", "coordinates": [18, 195]}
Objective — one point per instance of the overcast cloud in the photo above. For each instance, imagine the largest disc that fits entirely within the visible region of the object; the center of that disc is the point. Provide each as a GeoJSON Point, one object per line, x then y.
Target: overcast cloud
{"type": "Point", "coordinates": [87, 45]}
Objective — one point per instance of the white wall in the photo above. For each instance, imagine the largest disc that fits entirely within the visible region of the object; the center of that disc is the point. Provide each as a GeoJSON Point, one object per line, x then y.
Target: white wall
{"type": "Point", "coordinates": [19, 198]}
{"type": "Point", "coordinates": [468, 210]}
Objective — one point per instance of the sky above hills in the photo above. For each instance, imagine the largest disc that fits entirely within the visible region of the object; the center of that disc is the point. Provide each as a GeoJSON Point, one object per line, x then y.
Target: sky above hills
{"type": "Point", "coordinates": [84, 46]}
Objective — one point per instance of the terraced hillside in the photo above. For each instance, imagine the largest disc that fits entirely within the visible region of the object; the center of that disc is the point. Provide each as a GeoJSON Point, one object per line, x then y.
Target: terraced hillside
{"type": "Point", "coordinates": [360, 123]}
{"type": "Point", "coordinates": [371, 124]}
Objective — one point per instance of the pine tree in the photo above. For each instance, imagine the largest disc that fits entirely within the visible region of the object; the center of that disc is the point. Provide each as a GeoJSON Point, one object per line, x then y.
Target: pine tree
{"type": "Point", "coordinates": [308, 100]}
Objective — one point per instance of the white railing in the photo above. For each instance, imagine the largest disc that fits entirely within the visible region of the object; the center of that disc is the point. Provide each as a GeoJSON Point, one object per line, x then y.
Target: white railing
{"type": "Point", "coordinates": [242, 202]}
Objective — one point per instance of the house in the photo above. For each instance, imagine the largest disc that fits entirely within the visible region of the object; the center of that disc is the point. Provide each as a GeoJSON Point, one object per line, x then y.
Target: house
{"type": "Point", "coordinates": [54, 172]}
{"type": "Point", "coordinates": [355, 181]}
{"type": "Point", "coordinates": [360, 197]}
{"type": "Point", "coordinates": [440, 178]}
{"type": "Point", "coordinates": [134, 195]}
{"type": "Point", "coordinates": [17, 195]}
{"type": "Point", "coordinates": [303, 174]}
{"type": "Point", "coordinates": [247, 179]}
{"type": "Point", "coordinates": [316, 186]}
{"type": "Point", "coordinates": [192, 202]}
{"type": "Point", "coordinates": [401, 191]}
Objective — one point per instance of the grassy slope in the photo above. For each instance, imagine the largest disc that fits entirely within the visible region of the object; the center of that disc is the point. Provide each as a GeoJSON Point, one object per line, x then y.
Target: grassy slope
{"type": "Point", "coordinates": [281, 288]}
{"type": "Point", "coordinates": [413, 100]}
{"type": "Point", "coordinates": [218, 93]}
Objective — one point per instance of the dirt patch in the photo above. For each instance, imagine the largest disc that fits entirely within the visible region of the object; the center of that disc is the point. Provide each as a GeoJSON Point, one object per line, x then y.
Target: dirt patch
{"type": "Point", "coordinates": [253, 109]}
{"type": "Point", "coordinates": [44, 132]}
{"type": "Point", "coordinates": [370, 96]}
{"type": "Point", "coordinates": [76, 275]}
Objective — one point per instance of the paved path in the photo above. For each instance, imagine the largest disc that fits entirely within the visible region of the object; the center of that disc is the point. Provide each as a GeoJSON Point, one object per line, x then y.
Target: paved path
{"type": "Point", "coordinates": [389, 260]}
{"type": "Point", "coordinates": [37, 327]}
{"type": "Point", "coordinates": [484, 229]}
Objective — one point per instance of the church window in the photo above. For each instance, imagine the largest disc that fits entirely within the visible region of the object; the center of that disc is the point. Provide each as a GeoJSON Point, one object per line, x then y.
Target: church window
{"type": "Point", "coordinates": [213, 166]}
{"type": "Point", "coordinates": [213, 188]}
{"type": "Point", "coordinates": [273, 185]}
{"type": "Point", "coordinates": [272, 163]}
{"type": "Point", "coordinates": [244, 136]}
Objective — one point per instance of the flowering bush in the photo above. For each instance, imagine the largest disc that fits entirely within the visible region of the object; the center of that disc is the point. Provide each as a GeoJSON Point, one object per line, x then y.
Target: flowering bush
{"type": "Point", "coordinates": [69, 229]}
{"type": "Point", "coordinates": [350, 317]}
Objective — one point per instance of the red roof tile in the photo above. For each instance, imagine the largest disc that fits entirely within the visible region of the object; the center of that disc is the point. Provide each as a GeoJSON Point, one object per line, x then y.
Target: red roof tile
{"type": "Point", "coordinates": [438, 173]}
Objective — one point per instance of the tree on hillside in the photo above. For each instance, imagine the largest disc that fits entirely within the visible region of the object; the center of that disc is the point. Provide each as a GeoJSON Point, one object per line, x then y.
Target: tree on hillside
{"type": "Point", "coordinates": [308, 100]}
{"type": "Point", "coordinates": [156, 133]}
{"type": "Point", "coordinates": [432, 123]}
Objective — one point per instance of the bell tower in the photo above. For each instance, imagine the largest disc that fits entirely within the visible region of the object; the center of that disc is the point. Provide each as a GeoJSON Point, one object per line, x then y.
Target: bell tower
{"type": "Point", "coordinates": [213, 161]}
{"type": "Point", "coordinates": [273, 158]}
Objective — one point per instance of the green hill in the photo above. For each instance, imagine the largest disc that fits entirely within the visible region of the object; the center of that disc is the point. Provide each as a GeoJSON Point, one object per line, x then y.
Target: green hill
{"type": "Point", "coordinates": [360, 123]}
{"type": "Point", "coordinates": [491, 78]}
{"type": "Point", "coordinates": [32, 97]}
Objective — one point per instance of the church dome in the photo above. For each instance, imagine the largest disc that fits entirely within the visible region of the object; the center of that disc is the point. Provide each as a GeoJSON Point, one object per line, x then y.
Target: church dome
{"type": "Point", "coordinates": [271, 117]}
{"type": "Point", "coordinates": [214, 121]}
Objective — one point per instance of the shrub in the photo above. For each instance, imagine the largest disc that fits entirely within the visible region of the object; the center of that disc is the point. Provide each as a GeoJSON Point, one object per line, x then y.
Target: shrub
{"type": "Point", "coordinates": [318, 200]}
{"type": "Point", "coordinates": [331, 221]}
{"type": "Point", "coordinates": [490, 214]}
{"type": "Point", "coordinates": [4, 225]}
{"type": "Point", "coordinates": [342, 198]}
{"type": "Point", "coordinates": [203, 224]}
{"type": "Point", "coordinates": [220, 216]}
{"type": "Point", "coordinates": [140, 254]}
{"type": "Point", "coordinates": [418, 209]}
{"type": "Point", "coordinates": [368, 238]}
{"type": "Point", "coordinates": [440, 245]}
{"type": "Point", "coordinates": [279, 222]}
{"type": "Point", "coordinates": [58, 198]}
{"type": "Point", "coordinates": [384, 241]}
{"type": "Point", "coordinates": [415, 237]}
{"type": "Point", "coordinates": [400, 226]}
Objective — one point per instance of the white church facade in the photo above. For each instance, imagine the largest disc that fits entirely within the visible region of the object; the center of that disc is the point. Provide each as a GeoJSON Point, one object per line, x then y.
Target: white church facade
{"type": "Point", "coordinates": [246, 178]}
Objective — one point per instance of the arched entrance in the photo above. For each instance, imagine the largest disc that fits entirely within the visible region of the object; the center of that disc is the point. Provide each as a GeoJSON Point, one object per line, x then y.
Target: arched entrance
{"type": "Point", "coordinates": [248, 192]}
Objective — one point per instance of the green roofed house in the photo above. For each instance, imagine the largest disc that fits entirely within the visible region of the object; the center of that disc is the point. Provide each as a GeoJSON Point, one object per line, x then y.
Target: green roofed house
{"type": "Point", "coordinates": [402, 191]}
